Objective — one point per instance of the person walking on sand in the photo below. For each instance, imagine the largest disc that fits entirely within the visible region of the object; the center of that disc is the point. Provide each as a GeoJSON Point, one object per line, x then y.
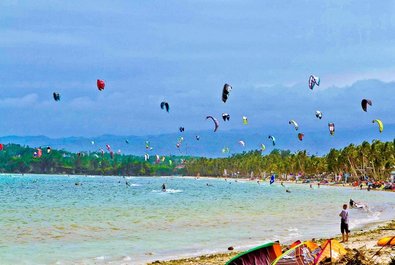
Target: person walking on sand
{"type": "Point", "coordinates": [344, 223]}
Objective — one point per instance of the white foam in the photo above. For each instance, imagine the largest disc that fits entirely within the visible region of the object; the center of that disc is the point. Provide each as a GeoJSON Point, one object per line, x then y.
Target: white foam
{"type": "Point", "coordinates": [126, 258]}
{"type": "Point", "coordinates": [173, 191]}
{"type": "Point", "coordinates": [167, 191]}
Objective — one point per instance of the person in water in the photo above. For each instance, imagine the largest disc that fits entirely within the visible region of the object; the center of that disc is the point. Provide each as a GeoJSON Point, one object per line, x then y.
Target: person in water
{"type": "Point", "coordinates": [358, 205]}
{"type": "Point", "coordinates": [344, 223]}
{"type": "Point", "coordinates": [163, 187]}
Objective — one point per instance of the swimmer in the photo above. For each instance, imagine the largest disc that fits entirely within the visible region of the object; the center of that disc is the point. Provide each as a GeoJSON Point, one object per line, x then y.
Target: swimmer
{"type": "Point", "coordinates": [287, 190]}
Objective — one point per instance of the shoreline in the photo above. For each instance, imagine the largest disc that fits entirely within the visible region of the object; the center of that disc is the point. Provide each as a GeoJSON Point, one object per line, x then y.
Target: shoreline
{"type": "Point", "coordinates": [361, 243]}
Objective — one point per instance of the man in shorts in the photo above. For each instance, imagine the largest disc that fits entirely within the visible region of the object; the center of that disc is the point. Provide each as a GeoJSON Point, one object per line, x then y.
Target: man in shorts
{"type": "Point", "coordinates": [344, 223]}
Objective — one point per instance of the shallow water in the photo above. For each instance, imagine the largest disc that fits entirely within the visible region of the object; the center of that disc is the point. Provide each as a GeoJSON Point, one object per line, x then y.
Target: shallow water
{"type": "Point", "coordinates": [48, 219]}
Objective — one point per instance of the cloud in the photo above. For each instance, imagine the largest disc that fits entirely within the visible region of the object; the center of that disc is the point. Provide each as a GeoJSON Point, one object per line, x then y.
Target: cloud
{"type": "Point", "coordinates": [22, 102]}
{"type": "Point", "coordinates": [183, 52]}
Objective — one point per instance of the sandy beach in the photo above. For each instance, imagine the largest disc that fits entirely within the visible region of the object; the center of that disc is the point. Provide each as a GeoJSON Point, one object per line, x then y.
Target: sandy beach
{"type": "Point", "coordinates": [362, 249]}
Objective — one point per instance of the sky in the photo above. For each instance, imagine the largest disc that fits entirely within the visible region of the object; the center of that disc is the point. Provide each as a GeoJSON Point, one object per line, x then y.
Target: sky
{"type": "Point", "coordinates": [183, 52]}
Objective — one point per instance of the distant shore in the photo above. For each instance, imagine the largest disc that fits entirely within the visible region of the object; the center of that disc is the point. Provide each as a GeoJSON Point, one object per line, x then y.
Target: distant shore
{"type": "Point", "coordinates": [362, 245]}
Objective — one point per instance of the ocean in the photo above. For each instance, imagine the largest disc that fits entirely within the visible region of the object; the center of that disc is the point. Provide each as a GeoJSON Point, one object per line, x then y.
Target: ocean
{"type": "Point", "coordinates": [47, 219]}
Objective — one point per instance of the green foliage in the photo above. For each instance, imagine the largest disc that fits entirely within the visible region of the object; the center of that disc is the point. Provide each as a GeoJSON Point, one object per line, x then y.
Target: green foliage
{"type": "Point", "coordinates": [19, 159]}
{"type": "Point", "coordinates": [375, 160]}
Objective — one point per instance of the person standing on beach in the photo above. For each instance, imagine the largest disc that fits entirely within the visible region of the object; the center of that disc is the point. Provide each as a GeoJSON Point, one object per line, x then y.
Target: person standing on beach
{"type": "Point", "coordinates": [344, 223]}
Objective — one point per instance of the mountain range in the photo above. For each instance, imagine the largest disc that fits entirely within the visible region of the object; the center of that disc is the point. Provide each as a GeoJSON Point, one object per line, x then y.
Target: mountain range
{"type": "Point", "coordinates": [210, 144]}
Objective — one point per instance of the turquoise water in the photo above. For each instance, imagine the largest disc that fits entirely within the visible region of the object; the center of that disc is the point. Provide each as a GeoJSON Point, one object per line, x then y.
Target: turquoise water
{"type": "Point", "coordinates": [50, 220]}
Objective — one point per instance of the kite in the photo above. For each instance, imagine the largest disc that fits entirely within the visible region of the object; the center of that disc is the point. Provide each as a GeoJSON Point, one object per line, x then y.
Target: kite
{"type": "Point", "coordinates": [293, 122]}
{"type": "Point", "coordinates": [318, 114]}
{"type": "Point", "coordinates": [263, 147]}
{"type": "Point", "coordinates": [165, 105]}
{"type": "Point", "coordinates": [216, 123]}
{"type": "Point", "coordinates": [147, 145]}
{"type": "Point", "coordinates": [56, 96]}
{"type": "Point", "coordinates": [313, 80]}
{"type": "Point", "coordinates": [100, 84]}
{"type": "Point", "coordinates": [273, 139]}
{"type": "Point", "coordinates": [225, 150]}
{"type": "Point", "coordinates": [225, 116]}
{"type": "Point", "coordinates": [245, 120]}
{"type": "Point", "coordinates": [242, 143]}
{"type": "Point", "coordinates": [225, 92]}
{"type": "Point", "coordinates": [364, 104]}
{"type": "Point", "coordinates": [331, 127]}
{"type": "Point", "coordinates": [380, 123]}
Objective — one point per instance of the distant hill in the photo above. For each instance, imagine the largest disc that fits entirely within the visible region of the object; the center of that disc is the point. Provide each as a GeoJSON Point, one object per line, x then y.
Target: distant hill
{"type": "Point", "coordinates": [211, 144]}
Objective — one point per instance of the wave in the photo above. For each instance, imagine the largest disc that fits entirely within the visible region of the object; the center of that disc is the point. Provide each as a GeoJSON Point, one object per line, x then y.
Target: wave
{"type": "Point", "coordinates": [168, 191]}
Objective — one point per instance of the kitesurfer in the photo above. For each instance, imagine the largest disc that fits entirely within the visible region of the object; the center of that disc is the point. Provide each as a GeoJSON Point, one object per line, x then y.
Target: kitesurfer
{"type": "Point", "coordinates": [163, 187]}
{"type": "Point", "coordinates": [358, 205]}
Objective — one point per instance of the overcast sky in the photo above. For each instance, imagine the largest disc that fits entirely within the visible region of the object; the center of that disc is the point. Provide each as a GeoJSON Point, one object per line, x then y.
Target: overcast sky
{"type": "Point", "coordinates": [183, 52]}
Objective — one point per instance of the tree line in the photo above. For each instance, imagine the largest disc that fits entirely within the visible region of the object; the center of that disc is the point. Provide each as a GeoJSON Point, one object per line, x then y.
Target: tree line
{"type": "Point", "coordinates": [20, 159]}
{"type": "Point", "coordinates": [375, 160]}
